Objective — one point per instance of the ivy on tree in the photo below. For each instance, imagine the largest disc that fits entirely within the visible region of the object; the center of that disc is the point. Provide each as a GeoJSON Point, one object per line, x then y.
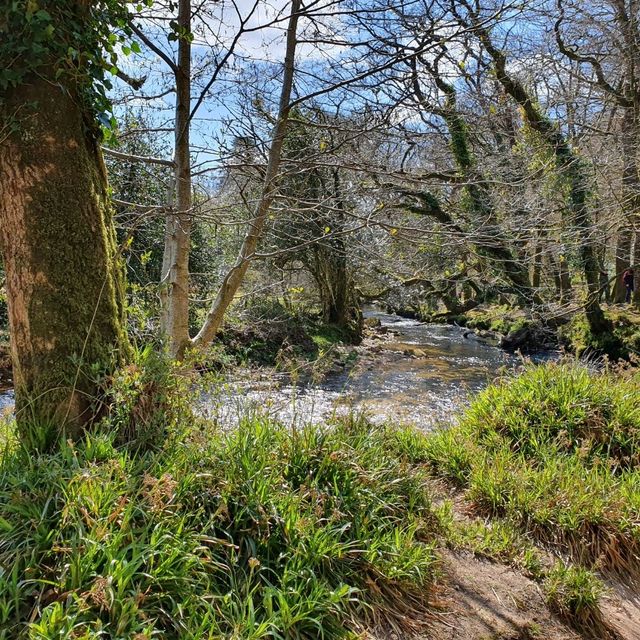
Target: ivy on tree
{"type": "Point", "coordinates": [82, 47]}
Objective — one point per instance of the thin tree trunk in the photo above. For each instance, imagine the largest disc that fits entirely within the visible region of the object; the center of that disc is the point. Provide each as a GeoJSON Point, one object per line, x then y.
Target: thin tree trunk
{"type": "Point", "coordinates": [233, 279]}
{"type": "Point", "coordinates": [174, 288]}
{"type": "Point", "coordinates": [636, 265]}
{"type": "Point", "coordinates": [623, 257]}
{"type": "Point", "coordinates": [565, 279]}
{"type": "Point", "coordinates": [630, 198]}
{"type": "Point", "coordinates": [538, 252]}
{"type": "Point", "coordinates": [555, 272]}
{"type": "Point", "coordinates": [64, 282]}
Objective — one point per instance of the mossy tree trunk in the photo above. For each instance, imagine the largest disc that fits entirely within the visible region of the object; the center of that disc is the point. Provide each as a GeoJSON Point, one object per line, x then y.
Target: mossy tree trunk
{"type": "Point", "coordinates": [64, 282]}
{"type": "Point", "coordinates": [337, 291]}
{"type": "Point", "coordinates": [340, 301]}
{"type": "Point", "coordinates": [488, 237]}
{"type": "Point", "coordinates": [569, 166]}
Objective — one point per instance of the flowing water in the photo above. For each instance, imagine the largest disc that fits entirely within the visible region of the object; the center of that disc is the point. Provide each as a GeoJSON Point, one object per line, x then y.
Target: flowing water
{"type": "Point", "coordinates": [6, 400]}
{"type": "Point", "coordinates": [420, 373]}
{"type": "Point", "coordinates": [416, 373]}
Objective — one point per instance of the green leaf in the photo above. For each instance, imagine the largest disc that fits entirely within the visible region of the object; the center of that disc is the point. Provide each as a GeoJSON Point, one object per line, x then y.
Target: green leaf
{"type": "Point", "coordinates": [135, 47]}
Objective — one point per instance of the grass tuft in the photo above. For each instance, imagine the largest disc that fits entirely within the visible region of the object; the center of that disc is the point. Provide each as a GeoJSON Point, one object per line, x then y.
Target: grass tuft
{"type": "Point", "coordinates": [256, 533]}
{"type": "Point", "coordinates": [555, 453]}
{"type": "Point", "coordinates": [574, 594]}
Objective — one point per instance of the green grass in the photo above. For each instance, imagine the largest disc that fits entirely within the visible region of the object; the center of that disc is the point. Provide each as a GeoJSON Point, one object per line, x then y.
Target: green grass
{"type": "Point", "coordinates": [573, 593]}
{"type": "Point", "coordinates": [257, 533]}
{"type": "Point", "coordinates": [497, 540]}
{"type": "Point", "coordinates": [160, 525]}
{"type": "Point", "coordinates": [554, 452]}
{"type": "Point", "coordinates": [547, 459]}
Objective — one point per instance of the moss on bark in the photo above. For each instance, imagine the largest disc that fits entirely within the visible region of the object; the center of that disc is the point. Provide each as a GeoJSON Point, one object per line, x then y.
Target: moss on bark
{"type": "Point", "coordinates": [64, 280]}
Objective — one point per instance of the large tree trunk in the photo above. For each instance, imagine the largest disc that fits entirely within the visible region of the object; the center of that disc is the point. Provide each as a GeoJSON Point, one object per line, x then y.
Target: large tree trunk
{"type": "Point", "coordinates": [569, 166]}
{"type": "Point", "coordinates": [488, 237]}
{"type": "Point", "coordinates": [337, 291]}
{"type": "Point", "coordinates": [64, 282]}
{"type": "Point", "coordinates": [174, 288]}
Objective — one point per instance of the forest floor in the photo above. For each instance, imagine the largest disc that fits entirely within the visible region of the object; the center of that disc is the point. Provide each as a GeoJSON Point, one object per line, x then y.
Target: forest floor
{"type": "Point", "coordinates": [496, 486]}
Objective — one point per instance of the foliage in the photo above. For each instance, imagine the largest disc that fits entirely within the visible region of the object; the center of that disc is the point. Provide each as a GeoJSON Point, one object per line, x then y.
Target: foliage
{"type": "Point", "coordinates": [77, 43]}
{"type": "Point", "coordinates": [499, 318]}
{"type": "Point", "coordinates": [256, 533]}
{"type": "Point", "coordinates": [623, 341]}
{"type": "Point", "coordinates": [266, 332]}
{"type": "Point", "coordinates": [145, 400]}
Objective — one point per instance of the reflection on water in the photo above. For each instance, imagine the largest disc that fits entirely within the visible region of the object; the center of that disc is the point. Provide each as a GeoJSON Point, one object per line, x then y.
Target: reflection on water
{"type": "Point", "coordinates": [6, 400]}
{"type": "Point", "coordinates": [423, 375]}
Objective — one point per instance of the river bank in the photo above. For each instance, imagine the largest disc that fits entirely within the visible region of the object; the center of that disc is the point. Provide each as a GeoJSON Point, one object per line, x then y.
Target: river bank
{"type": "Point", "coordinates": [384, 532]}
{"type": "Point", "coordinates": [403, 371]}
{"type": "Point", "coordinates": [551, 328]}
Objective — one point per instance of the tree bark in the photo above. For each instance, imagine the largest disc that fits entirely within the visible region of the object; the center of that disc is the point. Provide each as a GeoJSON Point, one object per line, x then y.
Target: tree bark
{"type": "Point", "coordinates": [233, 279]}
{"type": "Point", "coordinates": [64, 281]}
{"type": "Point", "coordinates": [488, 237]}
{"type": "Point", "coordinates": [538, 252]}
{"type": "Point", "coordinates": [569, 166]}
{"type": "Point", "coordinates": [630, 198]}
{"type": "Point", "coordinates": [174, 287]}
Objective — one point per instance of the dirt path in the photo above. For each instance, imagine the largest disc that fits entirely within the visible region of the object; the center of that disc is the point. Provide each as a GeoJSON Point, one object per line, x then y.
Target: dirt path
{"type": "Point", "coordinates": [490, 601]}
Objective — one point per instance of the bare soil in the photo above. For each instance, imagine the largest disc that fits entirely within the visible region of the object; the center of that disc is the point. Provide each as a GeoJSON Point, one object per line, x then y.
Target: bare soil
{"type": "Point", "coordinates": [621, 609]}
{"type": "Point", "coordinates": [491, 601]}
{"type": "Point", "coordinates": [481, 599]}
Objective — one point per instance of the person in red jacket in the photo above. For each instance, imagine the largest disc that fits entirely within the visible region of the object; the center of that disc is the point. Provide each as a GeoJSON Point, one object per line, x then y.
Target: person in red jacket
{"type": "Point", "coordinates": [627, 280]}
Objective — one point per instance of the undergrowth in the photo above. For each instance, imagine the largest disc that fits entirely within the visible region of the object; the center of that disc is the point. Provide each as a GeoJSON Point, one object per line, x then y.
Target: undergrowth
{"type": "Point", "coordinates": [260, 532]}
{"type": "Point", "coordinates": [622, 342]}
{"type": "Point", "coordinates": [178, 529]}
{"type": "Point", "coordinates": [551, 455]}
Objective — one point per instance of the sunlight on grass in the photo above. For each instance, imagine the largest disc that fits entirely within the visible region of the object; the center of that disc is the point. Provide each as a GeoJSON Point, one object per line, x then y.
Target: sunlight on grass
{"type": "Point", "coordinates": [261, 532]}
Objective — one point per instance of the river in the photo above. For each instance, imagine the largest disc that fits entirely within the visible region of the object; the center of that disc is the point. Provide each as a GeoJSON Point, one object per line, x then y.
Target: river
{"type": "Point", "coordinates": [413, 373]}
{"type": "Point", "coordinates": [416, 373]}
